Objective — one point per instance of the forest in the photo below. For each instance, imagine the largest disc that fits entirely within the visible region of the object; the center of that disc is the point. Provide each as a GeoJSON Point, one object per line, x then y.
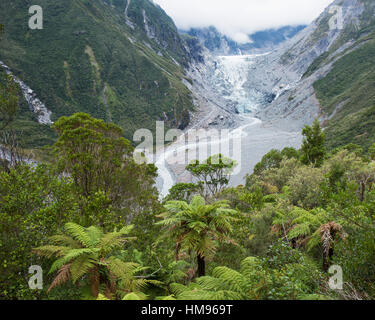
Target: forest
{"type": "Point", "coordinates": [92, 219]}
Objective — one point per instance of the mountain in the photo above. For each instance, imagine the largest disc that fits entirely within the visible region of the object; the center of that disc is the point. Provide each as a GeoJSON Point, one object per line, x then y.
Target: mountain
{"type": "Point", "coordinates": [125, 61]}
{"type": "Point", "coordinates": [122, 61]}
{"type": "Point", "coordinates": [324, 72]}
{"type": "Point", "coordinates": [262, 41]}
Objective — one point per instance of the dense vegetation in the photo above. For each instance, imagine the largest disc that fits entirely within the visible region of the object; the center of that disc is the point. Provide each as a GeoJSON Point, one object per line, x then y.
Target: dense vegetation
{"type": "Point", "coordinates": [91, 58]}
{"type": "Point", "coordinates": [92, 219]}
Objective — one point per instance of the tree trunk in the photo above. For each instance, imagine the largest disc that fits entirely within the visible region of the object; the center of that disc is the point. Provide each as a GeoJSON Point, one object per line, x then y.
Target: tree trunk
{"type": "Point", "coordinates": [327, 256]}
{"type": "Point", "coordinates": [325, 263]}
{"type": "Point", "coordinates": [201, 266]}
{"type": "Point", "coordinates": [363, 189]}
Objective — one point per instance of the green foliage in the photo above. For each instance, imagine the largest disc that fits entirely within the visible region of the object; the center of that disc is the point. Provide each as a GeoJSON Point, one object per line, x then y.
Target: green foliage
{"type": "Point", "coordinates": [346, 93]}
{"type": "Point", "coordinates": [100, 162]}
{"type": "Point", "coordinates": [274, 180]}
{"type": "Point", "coordinates": [89, 251]}
{"type": "Point", "coordinates": [357, 258]}
{"type": "Point", "coordinates": [313, 149]}
{"type": "Point", "coordinates": [197, 226]}
{"type": "Point", "coordinates": [304, 187]}
{"type": "Point", "coordinates": [26, 218]}
{"type": "Point", "coordinates": [213, 173]}
{"type": "Point", "coordinates": [184, 191]}
{"type": "Point", "coordinates": [244, 200]}
{"type": "Point", "coordinates": [255, 281]}
{"type": "Point", "coordinates": [91, 151]}
{"type": "Point", "coordinates": [371, 152]}
{"type": "Point", "coordinates": [273, 159]}
{"type": "Point", "coordinates": [293, 220]}
{"type": "Point", "coordinates": [98, 64]}
{"type": "Point", "coordinates": [8, 102]}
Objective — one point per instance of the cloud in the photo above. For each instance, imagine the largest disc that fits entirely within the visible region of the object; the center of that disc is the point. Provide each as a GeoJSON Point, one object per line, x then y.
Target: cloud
{"type": "Point", "coordinates": [238, 18]}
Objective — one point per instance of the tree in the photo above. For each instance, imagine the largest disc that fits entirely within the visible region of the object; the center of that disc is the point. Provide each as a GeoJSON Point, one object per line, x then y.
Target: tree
{"type": "Point", "coordinates": [214, 173]}
{"type": "Point", "coordinates": [371, 152]}
{"type": "Point", "coordinates": [99, 159]}
{"type": "Point", "coordinates": [269, 161]}
{"type": "Point", "coordinates": [313, 149]}
{"type": "Point", "coordinates": [312, 228]}
{"type": "Point", "coordinates": [91, 151]}
{"type": "Point", "coordinates": [304, 187]}
{"type": "Point", "coordinates": [354, 148]}
{"type": "Point", "coordinates": [90, 252]}
{"type": "Point", "coordinates": [272, 159]}
{"type": "Point", "coordinates": [196, 226]}
{"type": "Point", "coordinates": [184, 191]}
{"type": "Point", "coordinates": [34, 204]}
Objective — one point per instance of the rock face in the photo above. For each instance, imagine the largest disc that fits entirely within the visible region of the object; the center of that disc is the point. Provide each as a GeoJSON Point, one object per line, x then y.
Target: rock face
{"type": "Point", "coordinates": [278, 86]}
{"type": "Point", "coordinates": [36, 106]}
{"type": "Point", "coordinates": [283, 72]}
{"type": "Point", "coordinates": [158, 27]}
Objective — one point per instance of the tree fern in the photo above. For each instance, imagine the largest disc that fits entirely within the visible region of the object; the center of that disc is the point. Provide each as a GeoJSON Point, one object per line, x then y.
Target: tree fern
{"type": "Point", "coordinates": [196, 226]}
{"type": "Point", "coordinates": [254, 281]}
{"type": "Point", "coordinates": [88, 251]}
{"type": "Point", "coordinates": [78, 232]}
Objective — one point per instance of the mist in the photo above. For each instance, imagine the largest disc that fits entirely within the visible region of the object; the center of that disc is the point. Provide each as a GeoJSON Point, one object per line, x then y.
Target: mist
{"type": "Point", "coordinates": [238, 18]}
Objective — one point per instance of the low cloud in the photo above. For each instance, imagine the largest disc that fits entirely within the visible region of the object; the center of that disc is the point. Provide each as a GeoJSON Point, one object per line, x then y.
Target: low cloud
{"type": "Point", "coordinates": [238, 18]}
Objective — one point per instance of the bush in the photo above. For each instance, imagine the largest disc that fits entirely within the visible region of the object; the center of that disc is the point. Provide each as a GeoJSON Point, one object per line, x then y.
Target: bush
{"type": "Point", "coordinates": [305, 187]}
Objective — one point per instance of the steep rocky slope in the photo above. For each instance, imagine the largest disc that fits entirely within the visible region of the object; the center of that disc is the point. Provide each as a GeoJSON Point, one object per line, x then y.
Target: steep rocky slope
{"type": "Point", "coordinates": [122, 61]}
{"type": "Point", "coordinates": [325, 72]}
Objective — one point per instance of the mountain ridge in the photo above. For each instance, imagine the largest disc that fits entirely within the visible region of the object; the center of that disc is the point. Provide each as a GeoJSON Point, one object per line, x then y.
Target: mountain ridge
{"type": "Point", "coordinates": [261, 41]}
{"type": "Point", "coordinates": [294, 72]}
{"type": "Point", "coordinates": [117, 60]}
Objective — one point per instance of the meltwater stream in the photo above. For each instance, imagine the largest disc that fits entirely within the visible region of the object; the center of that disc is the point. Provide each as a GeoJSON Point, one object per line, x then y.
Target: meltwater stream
{"type": "Point", "coordinates": [249, 142]}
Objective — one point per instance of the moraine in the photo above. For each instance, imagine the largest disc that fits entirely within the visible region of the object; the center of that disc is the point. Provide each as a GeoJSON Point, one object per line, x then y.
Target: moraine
{"type": "Point", "coordinates": [226, 77]}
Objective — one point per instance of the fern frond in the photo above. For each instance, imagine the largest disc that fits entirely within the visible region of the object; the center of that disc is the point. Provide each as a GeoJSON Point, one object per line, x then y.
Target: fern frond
{"type": "Point", "coordinates": [80, 266]}
{"type": "Point", "coordinates": [178, 288]}
{"type": "Point", "coordinates": [234, 280]}
{"type": "Point", "coordinates": [302, 229]}
{"type": "Point", "coordinates": [78, 232]}
{"type": "Point", "coordinates": [69, 257]}
{"type": "Point", "coordinates": [63, 276]}
{"type": "Point", "coordinates": [110, 242]}
{"type": "Point", "coordinates": [102, 298]}
{"type": "Point", "coordinates": [126, 230]}
{"type": "Point", "coordinates": [49, 251]}
{"type": "Point", "coordinates": [168, 298]}
{"type": "Point", "coordinates": [210, 283]}
{"type": "Point", "coordinates": [135, 296]}
{"type": "Point", "coordinates": [95, 234]}
{"type": "Point", "coordinates": [65, 241]}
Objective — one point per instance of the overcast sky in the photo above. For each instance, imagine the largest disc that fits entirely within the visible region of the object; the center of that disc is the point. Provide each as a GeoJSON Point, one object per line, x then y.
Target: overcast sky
{"type": "Point", "coordinates": [237, 18]}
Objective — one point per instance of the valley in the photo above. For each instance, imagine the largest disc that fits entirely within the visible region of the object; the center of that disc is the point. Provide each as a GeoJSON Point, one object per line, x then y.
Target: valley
{"type": "Point", "coordinates": [112, 122]}
{"type": "Point", "coordinates": [250, 137]}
